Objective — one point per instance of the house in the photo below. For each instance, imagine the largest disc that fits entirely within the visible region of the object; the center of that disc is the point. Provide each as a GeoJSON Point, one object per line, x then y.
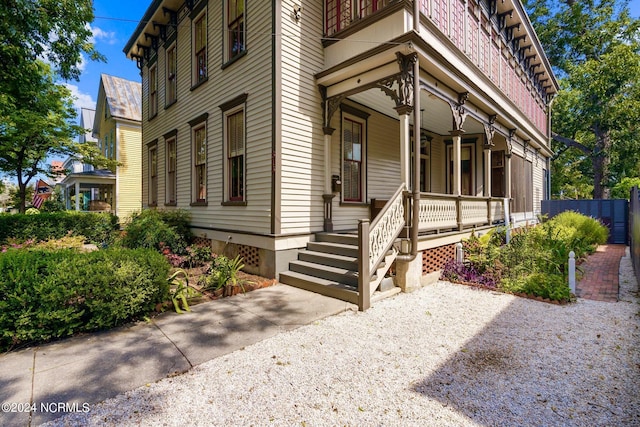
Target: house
{"type": "Point", "coordinates": [325, 141]}
{"type": "Point", "coordinates": [115, 127]}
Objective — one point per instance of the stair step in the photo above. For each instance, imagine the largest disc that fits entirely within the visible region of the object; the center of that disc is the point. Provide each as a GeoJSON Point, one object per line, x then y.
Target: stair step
{"type": "Point", "coordinates": [343, 238]}
{"type": "Point", "coordinates": [334, 248]}
{"type": "Point", "coordinates": [324, 258]}
{"type": "Point", "coordinates": [327, 272]}
{"type": "Point", "coordinates": [322, 286]}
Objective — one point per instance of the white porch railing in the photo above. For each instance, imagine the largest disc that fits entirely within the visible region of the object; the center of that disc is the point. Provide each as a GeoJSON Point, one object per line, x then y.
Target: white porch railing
{"type": "Point", "coordinates": [445, 212]}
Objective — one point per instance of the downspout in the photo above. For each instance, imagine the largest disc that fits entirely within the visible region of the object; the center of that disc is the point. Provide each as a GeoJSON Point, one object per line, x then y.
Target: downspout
{"type": "Point", "coordinates": [415, 188]}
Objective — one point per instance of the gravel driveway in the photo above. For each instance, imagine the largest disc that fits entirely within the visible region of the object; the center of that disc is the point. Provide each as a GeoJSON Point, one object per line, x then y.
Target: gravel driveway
{"type": "Point", "coordinates": [446, 355]}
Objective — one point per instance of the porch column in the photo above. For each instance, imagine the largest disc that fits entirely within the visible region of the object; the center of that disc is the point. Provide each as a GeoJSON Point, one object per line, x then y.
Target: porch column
{"type": "Point", "coordinates": [489, 131]}
{"type": "Point", "coordinates": [328, 187]}
{"type": "Point", "coordinates": [507, 175]}
{"type": "Point", "coordinates": [405, 144]}
{"type": "Point", "coordinates": [457, 172]}
{"type": "Point", "coordinates": [487, 171]}
{"type": "Point", "coordinates": [458, 115]}
{"type": "Point", "coordinates": [77, 195]}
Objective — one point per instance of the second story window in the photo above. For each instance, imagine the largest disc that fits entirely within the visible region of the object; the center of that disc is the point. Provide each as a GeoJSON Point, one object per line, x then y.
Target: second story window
{"type": "Point", "coordinates": [339, 14]}
{"type": "Point", "coordinates": [171, 85]}
{"type": "Point", "coordinates": [200, 48]}
{"type": "Point", "coordinates": [235, 28]}
{"type": "Point", "coordinates": [153, 91]}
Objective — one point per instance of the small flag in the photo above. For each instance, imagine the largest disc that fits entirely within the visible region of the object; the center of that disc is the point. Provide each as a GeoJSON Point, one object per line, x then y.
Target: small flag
{"type": "Point", "coordinates": [42, 192]}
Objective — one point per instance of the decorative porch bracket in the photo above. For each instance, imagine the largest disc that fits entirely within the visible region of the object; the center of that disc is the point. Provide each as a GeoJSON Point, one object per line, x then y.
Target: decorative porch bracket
{"type": "Point", "coordinates": [489, 131]}
{"type": "Point", "coordinates": [459, 112]}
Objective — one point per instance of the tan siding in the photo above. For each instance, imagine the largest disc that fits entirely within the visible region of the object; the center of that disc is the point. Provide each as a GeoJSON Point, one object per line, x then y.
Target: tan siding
{"type": "Point", "coordinates": [302, 161]}
{"type": "Point", "coordinates": [222, 85]}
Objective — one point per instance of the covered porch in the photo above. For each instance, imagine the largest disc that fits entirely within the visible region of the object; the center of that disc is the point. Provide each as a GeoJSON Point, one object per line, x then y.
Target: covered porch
{"type": "Point", "coordinates": [91, 191]}
{"type": "Point", "coordinates": [415, 152]}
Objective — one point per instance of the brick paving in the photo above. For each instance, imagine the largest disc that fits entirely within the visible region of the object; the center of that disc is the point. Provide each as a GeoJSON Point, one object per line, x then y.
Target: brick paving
{"type": "Point", "coordinates": [599, 278]}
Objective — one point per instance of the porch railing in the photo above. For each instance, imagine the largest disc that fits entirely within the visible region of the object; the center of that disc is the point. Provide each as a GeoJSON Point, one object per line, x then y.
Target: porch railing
{"type": "Point", "coordinates": [375, 240]}
{"type": "Point", "coordinates": [441, 212]}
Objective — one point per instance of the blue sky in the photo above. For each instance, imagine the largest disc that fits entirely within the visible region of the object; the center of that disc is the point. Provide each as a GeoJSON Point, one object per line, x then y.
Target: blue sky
{"type": "Point", "coordinates": [115, 21]}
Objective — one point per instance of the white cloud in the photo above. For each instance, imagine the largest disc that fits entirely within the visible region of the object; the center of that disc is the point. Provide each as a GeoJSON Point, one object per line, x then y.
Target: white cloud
{"type": "Point", "coordinates": [82, 100]}
{"type": "Point", "coordinates": [108, 37]}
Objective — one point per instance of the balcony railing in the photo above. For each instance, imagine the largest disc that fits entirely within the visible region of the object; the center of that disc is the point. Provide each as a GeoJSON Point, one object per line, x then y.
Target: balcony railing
{"type": "Point", "coordinates": [474, 34]}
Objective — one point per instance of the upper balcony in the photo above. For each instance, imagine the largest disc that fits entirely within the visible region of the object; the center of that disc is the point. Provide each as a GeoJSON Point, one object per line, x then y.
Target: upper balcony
{"type": "Point", "coordinates": [491, 41]}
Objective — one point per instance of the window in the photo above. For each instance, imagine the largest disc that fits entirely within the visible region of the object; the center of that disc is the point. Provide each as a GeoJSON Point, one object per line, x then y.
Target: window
{"type": "Point", "coordinates": [200, 163]}
{"type": "Point", "coordinates": [171, 85]}
{"type": "Point", "coordinates": [200, 47]}
{"type": "Point", "coordinates": [153, 91]}
{"type": "Point", "coordinates": [153, 175]}
{"type": "Point", "coordinates": [235, 28]}
{"type": "Point", "coordinates": [171, 168]}
{"type": "Point", "coordinates": [352, 165]}
{"type": "Point", "coordinates": [235, 155]}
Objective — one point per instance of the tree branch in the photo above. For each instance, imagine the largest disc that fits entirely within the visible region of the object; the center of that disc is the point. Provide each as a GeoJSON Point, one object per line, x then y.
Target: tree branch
{"type": "Point", "coordinates": [571, 143]}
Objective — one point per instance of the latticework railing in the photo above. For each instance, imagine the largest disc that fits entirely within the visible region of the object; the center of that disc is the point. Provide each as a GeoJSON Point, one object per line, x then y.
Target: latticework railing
{"type": "Point", "coordinates": [375, 240]}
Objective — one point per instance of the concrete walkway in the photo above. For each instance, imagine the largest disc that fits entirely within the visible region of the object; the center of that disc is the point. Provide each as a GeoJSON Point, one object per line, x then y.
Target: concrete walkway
{"type": "Point", "coordinates": [43, 383]}
{"type": "Point", "coordinates": [600, 280]}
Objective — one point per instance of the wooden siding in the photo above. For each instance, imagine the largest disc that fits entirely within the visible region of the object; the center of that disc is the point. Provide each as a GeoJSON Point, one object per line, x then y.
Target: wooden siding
{"type": "Point", "coordinates": [302, 137]}
{"type": "Point", "coordinates": [128, 175]}
{"type": "Point", "coordinates": [251, 75]}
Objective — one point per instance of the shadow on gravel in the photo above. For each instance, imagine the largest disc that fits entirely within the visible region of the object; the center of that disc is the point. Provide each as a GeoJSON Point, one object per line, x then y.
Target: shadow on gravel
{"type": "Point", "coordinates": [534, 367]}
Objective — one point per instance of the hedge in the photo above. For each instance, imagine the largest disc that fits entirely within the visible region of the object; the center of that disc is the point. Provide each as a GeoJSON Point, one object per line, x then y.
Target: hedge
{"type": "Point", "coordinates": [54, 294]}
{"type": "Point", "coordinates": [98, 228]}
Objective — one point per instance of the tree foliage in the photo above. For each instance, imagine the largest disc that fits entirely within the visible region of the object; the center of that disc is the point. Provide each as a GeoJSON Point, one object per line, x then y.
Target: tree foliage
{"type": "Point", "coordinates": [43, 41]}
{"type": "Point", "coordinates": [594, 46]}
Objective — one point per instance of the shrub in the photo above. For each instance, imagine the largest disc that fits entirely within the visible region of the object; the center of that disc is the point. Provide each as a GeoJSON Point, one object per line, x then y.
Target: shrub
{"type": "Point", "coordinates": [98, 228]}
{"type": "Point", "coordinates": [550, 286]}
{"type": "Point", "coordinates": [52, 294]}
{"type": "Point", "coordinates": [589, 231]}
{"type": "Point", "coordinates": [158, 230]}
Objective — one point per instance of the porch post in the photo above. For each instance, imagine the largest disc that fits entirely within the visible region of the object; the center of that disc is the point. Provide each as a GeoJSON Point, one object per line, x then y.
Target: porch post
{"type": "Point", "coordinates": [328, 190]}
{"type": "Point", "coordinates": [457, 173]}
{"type": "Point", "coordinates": [489, 131]}
{"type": "Point", "coordinates": [77, 195]}
{"type": "Point", "coordinates": [487, 171]}
{"type": "Point", "coordinates": [458, 116]}
{"type": "Point", "coordinates": [405, 140]}
{"type": "Point", "coordinates": [507, 175]}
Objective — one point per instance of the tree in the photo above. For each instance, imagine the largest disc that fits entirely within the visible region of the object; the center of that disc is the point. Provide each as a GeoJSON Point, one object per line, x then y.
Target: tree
{"type": "Point", "coordinates": [43, 41]}
{"type": "Point", "coordinates": [37, 127]}
{"type": "Point", "coordinates": [594, 47]}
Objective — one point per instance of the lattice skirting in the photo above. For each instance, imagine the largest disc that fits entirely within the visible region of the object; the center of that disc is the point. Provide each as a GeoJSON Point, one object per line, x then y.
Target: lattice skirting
{"type": "Point", "coordinates": [250, 254]}
{"type": "Point", "coordinates": [435, 259]}
{"type": "Point", "coordinates": [201, 241]}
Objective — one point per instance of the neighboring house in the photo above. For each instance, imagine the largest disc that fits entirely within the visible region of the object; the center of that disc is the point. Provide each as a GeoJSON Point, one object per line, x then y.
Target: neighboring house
{"type": "Point", "coordinates": [291, 126]}
{"type": "Point", "coordinates": [115, 127]}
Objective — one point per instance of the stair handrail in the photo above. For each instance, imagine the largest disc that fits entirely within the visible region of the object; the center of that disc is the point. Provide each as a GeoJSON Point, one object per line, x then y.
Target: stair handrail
{"type": "Point", "coordinates": [374, 241]}
{"type": "Point", "coordinates": [386, 227]}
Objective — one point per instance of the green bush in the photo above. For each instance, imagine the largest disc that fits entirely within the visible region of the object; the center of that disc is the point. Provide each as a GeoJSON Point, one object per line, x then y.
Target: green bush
{"type": "Point", "coordinates": [156, 229]}
{"type": "Point", "coordinates": [588, 234]}
{"type": "Point", "coordinates": [550, 286]}
{"type": "Point", "coordinates": [98, 228]}
{"type": "Point", "coordinates": [51, 294]}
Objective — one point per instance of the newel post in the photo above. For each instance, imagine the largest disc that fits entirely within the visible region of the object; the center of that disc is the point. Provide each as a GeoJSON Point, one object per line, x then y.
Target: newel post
{"type": "Point", "coordinates": [572, 272]}
{"type": "Point", "coordinates": [364, 274]}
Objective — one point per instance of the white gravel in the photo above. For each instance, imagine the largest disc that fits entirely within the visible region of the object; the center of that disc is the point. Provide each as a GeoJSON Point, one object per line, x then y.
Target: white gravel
{"type": "Point", "coordinates": [446, 355]}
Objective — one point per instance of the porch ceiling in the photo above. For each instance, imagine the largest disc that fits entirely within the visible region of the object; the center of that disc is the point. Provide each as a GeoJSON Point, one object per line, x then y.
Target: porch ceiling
{"type": "Point", "coordinates": [436, 114]}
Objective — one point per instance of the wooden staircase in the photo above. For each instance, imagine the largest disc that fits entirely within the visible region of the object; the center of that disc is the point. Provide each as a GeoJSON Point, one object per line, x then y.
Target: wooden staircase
{"type": "Point", "coordinates": [329, 266]}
